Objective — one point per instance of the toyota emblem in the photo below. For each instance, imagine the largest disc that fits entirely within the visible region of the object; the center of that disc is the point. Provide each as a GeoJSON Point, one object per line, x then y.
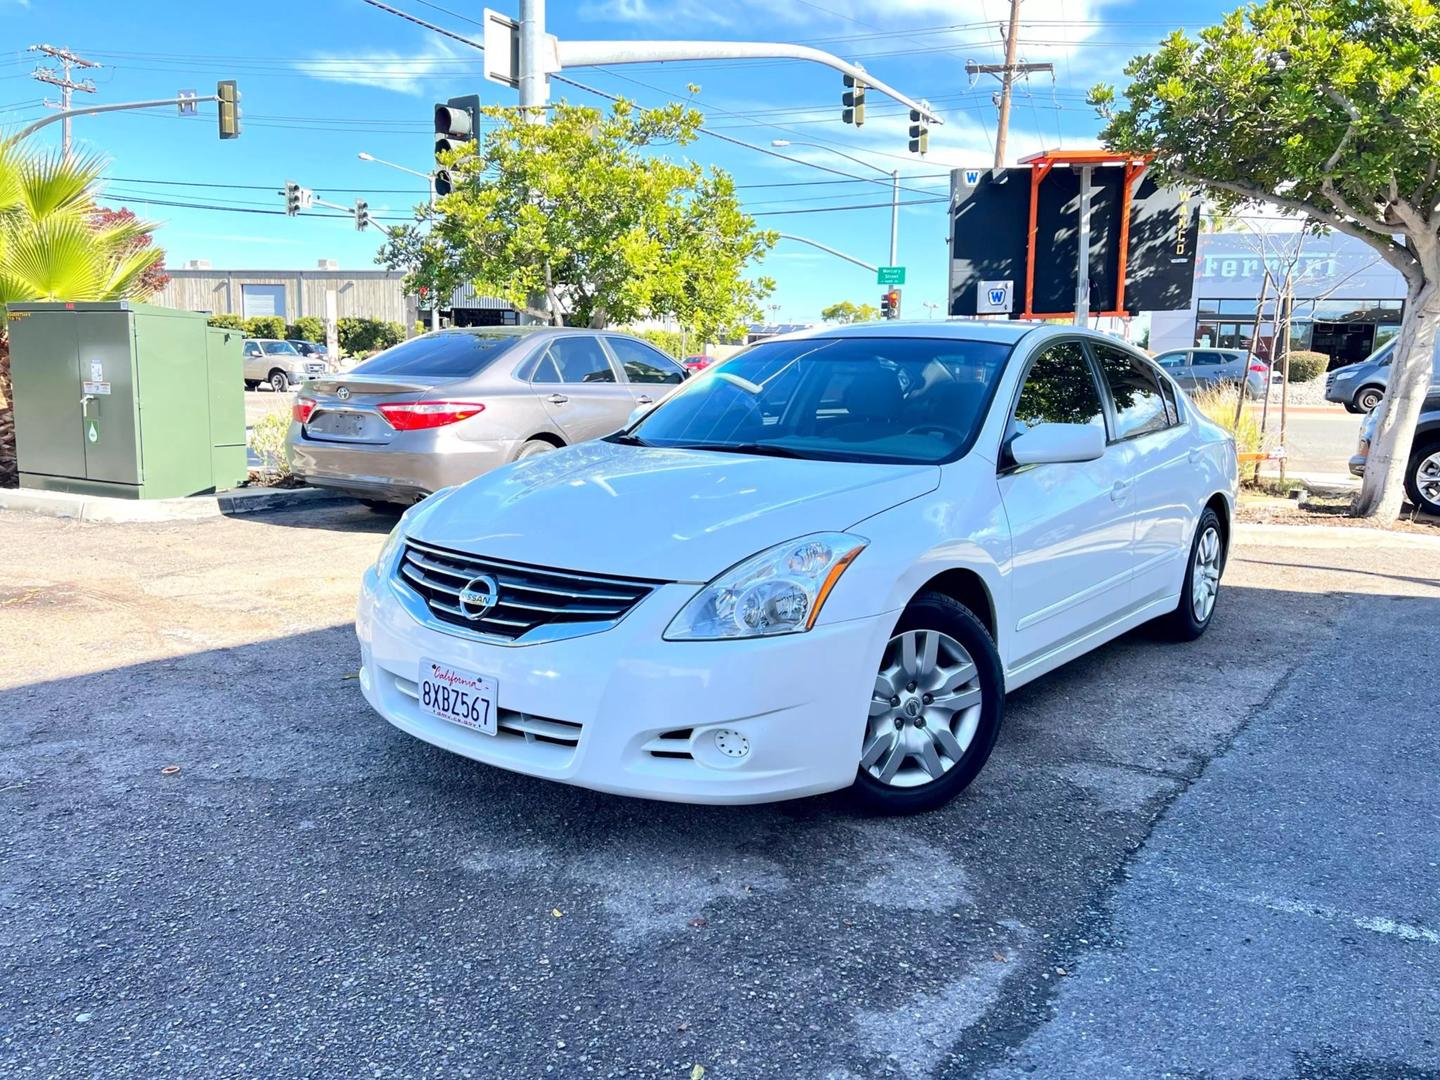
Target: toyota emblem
{"type": "Point", "coordinates": [343, 393]}
{"type": "Point", "coordinates": [479, 595]}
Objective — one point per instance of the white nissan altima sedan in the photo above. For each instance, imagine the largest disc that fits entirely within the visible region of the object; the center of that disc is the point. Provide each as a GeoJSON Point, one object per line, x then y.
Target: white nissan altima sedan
{"type": "Point", "coordinates": [820, 564]}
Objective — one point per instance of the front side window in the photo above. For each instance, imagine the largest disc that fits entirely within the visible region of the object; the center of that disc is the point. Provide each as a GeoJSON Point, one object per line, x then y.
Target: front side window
{"type": "Point", "coordinates": [579, 359]}
{"type": "Point", "coordinates": [643, 364]}
{"type": "Point", "coordinates": [1139, 407]}
{"type": "Point", "coordinates": [880, 399]}
{"type": "Point", "coordinates": [252, 349]}
{"type": "Point", "coordinates": [1059, 389]}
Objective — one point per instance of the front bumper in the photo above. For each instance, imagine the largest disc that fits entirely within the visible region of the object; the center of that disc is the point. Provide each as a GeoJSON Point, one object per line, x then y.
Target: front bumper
{"type": "Point", "coordinates": [626, 712]}
{"type": "Point", "coordinates": [1339, 390]}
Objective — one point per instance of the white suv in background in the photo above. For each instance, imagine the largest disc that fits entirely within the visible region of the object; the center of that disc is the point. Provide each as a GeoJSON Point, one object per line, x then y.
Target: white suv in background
{"type": "Point", "coordinates": [820, 564]}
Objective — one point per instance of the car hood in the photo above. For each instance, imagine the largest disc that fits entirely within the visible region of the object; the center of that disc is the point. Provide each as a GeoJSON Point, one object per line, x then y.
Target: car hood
{"type": "Point", "coordinates": [672, 515]}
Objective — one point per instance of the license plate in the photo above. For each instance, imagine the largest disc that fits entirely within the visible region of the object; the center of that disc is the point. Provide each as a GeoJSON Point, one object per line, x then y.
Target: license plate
{"type": "Point", "coordinates": [339, 423]}
{"type": "Point", "coordinates": [460, 696]}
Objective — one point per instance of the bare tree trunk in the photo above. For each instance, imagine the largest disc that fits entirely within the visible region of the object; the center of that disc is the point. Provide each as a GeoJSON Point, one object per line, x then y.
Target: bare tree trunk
{"type": "Point", "coordinates": [9, 466]}
{"type": "Point", "coordinates": [1383, 489]}
{"type": "Point", "coordinates": [1250, 355]}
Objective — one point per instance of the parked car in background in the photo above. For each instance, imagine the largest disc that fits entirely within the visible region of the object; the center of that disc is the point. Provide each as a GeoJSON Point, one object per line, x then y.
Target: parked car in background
{"type": "Point", "coordinates": [694, 364]}
{"type": "Point", "coordinates": [1201, 369]}
{"type": "Point", "coordinates": [443, 408]}
{"type": "Point", "coordinates": [317, 349]}
{"type": "Point", "coordinates": [822, 563]}
{"type": "Point", "coordinates": [278, 364]}
{"type": "Point", "coordinates": [1359, 387]}
{"type": "Point", "coordinates": [1422, 472]}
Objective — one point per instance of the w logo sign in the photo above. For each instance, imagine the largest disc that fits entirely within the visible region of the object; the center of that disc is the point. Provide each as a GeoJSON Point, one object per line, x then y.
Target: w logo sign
{"type": "Point", "coordinates": [972, 177]}
{"type": "Point", "coordinates": [994, 297]}
{"type": "Point", "coordinates": [997, 297]}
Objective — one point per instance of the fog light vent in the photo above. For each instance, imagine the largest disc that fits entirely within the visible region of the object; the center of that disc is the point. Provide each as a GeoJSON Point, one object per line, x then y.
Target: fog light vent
{"type": "Point", "coordinates": [731, 743]}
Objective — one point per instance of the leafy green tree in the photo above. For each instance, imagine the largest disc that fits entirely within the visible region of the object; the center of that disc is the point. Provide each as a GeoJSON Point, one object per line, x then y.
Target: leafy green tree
{"type": "Point", "coordinates": [1326, 108]}
{"type": "Point", "coordinates": [847, 311]}
{"type": "Point", "coordinates": [57, 244]}
{"type": "Point", "coordinates": [579, 220]}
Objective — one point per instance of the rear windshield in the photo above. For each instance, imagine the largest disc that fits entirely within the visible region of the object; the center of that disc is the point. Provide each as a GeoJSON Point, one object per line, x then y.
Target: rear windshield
{"type": "Point", "coordinates": [443, 354]}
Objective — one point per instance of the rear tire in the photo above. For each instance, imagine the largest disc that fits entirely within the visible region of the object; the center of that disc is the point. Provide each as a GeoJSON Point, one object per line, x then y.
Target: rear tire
{"type": "Point", "coordinates": [533, 447]}
{"type": "Point", "coordinates": [279, 381]}
{"type": "Point", "coordinates": [942, 715]}
{"type": "Point", "coordinates": [1192, 616]}
{"type": "Point", "coordinates": [1424, 468]}
{"type": "Point", "coordinates": [1368, 398]}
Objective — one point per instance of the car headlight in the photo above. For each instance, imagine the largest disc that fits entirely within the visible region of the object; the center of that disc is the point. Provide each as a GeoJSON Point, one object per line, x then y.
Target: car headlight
{"type": "Point", "coordinates": [1345, 373]}
{"type": "Point", "coordinates": [778, 591]}
{"type": "Point", "coordinates": [390, 548]}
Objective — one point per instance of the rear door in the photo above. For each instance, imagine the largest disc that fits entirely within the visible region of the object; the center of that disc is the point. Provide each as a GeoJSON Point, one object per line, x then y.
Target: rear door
{"type": "Point", "coordinates": [648, 372]}
{"type": "Point", "coordinates": [1164, 501]}
{"type": "Point", "coordinates": [1207, 368]}
{"type": "Point", "coordinates": [580, 388]}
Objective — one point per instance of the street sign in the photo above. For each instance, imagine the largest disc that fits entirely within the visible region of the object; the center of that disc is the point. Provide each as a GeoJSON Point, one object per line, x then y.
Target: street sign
{"type": "Point", "coordinates": [890, 275]}
{"type": "Point", "coordinates": [187, 104]}
{"type": "Point", "coordinates": [994, 297]}
{"type": "Point", "coordinates": [307, 198]}
{"type": "Point", "coordinates": [502, 48]}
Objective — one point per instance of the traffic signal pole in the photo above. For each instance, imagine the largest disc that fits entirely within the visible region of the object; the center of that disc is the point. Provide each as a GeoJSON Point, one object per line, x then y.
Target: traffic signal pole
{"type": "Point", "coordinates": [119, 107]}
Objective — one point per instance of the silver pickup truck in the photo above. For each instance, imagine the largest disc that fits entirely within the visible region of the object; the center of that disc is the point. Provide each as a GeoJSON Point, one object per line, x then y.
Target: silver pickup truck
{"type": "Point", "coordinates": [278, 364]}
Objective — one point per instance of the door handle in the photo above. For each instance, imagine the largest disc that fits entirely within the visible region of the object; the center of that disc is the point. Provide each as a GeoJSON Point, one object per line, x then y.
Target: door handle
{"type": "Point", "coordinates": [557, 399]}
{"type": "Point", "coordinates": [644, 399]}
{"type": "Point", "coordinates": [85, 401]}
{"type": "Point", "coordinates": [1117, 491]}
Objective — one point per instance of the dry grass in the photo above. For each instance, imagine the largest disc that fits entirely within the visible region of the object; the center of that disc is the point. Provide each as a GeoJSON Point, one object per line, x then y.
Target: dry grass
{"type": "Point", "coordinates": [1218, 403]}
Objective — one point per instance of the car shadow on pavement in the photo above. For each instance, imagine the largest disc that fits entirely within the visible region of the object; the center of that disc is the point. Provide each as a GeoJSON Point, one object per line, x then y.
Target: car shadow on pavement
{"type": "Point", "coordinates": [228, 856]}
{"type": "Point", "coordinates": [330, 517]}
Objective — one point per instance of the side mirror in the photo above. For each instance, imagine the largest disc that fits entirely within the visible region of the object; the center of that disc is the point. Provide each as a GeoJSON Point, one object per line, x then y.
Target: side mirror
{"type": "Point", "coordinates": [1053, 444]}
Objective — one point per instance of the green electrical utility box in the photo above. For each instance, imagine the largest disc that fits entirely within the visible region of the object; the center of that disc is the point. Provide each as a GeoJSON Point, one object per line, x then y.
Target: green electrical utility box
{"type": "Point", "coordinates": [125, 399]}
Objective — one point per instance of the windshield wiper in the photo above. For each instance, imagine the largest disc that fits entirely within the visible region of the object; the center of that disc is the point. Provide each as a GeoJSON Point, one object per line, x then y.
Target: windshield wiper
{"type": "Point", "coordinates": [761, 449]}
{"type": "Point", "coordinates": [624, 438]}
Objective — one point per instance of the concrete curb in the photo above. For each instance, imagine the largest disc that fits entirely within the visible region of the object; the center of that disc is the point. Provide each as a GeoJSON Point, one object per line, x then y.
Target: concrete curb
{"type": "Point", "coordinates": [96, 508]}
{"type": "Point", "coordinates": [1256, 535]}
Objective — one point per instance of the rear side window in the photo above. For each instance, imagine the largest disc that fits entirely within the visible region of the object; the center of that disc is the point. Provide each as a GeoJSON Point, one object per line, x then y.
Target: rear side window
{"type": "Point", "coordinates": [1209, 359]}
{"type": "Point", "coordinates": [643, 364]}
{"type": "Point", "coordinates": [1135, 390]}
{"type": "Point", "coordinates": [1171, 359]}
{"type": "Point", "coordinates": [448, 354]}
{"type": "Point", "coordinates": [576, 359]}
{"type": "Point", "coordinates": [1059, 389]}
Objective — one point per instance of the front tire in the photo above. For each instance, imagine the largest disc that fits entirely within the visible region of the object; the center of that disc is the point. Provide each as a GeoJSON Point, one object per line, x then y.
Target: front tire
{"type": "Point", "coordinates": [935, 712]}
{"type": "Point", "coordinates": [1192, 616]}
{"type": "Point", "coordinates": [279, 382]}
{"type": "Point", "coordinates": [1367, 399]}
{"type": "Point", "coordinates": [1422, 478]}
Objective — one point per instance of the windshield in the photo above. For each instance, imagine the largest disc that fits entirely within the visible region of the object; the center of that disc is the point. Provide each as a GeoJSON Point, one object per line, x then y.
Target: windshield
{"type": "Point", "coordinates": [280, 348]}
{"type": "Point", "coordinates": [444, 354]}
{"type": "Point", "coordinates": [882, 399]}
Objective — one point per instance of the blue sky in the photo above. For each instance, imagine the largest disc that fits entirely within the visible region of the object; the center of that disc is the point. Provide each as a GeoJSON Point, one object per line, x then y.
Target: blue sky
{"type": "Point", "coordinates": [323, 80]}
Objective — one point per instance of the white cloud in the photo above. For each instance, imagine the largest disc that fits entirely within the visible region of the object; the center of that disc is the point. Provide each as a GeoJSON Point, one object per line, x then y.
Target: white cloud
{"type": "Point", "coordinates": [385, 70]}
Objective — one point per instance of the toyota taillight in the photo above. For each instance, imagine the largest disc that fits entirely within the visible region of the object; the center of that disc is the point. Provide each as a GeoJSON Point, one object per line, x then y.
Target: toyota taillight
{"type": "Point", "coordinates": [414, 415]}
{"type": "Point", "coordinates": [302, 409]}
{"type": "Point", "coordinates": [1258, 367]}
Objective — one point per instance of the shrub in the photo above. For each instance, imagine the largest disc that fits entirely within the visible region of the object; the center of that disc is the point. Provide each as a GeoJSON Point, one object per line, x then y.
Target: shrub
{"type": "Point", "coordinates": [267, 439]}
{"type": "Point", "coordinates": [307, 328]}
{"type": "Point", "coordinates": [368, 335]}
{"type": "Point", "coordinates": [265, 326]}
{"type": "Point", "coordinates": [1305, 366]}
{"type": "Point", "coordinates": [227, 321]}
{"type": "Point", "coordinates": [1218, 403]}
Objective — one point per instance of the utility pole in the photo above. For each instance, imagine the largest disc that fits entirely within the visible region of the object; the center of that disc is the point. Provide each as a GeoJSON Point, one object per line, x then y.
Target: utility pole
{"type": "Point", "coordinates": [68, 61]}
{"type": "Point", "coordinates": [1006, 72]}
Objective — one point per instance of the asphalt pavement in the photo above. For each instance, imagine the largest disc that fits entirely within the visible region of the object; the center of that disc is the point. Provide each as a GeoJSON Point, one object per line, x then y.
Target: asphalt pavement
{"type": "Point", "coordinates": [1216, 859]}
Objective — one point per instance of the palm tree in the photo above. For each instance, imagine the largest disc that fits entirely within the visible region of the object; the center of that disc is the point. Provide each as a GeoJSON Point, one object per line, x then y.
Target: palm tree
{"type": "Point", "coordinates": [53, 248]}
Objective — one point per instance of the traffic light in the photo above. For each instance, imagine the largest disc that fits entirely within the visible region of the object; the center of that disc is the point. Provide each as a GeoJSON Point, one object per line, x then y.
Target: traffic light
{"type": "Point", "coordinates": [292, 198]}
{"type": "Point", "coordinates": [228, 108]}
{"type": "Point", "coordinates": [457, 122]}
{"type": "Point", "coordinates": [919, 133]}
{"type": "Point", "coordinates": [362, 214]}
{"type": "Point", "coordinates": [854, 102]}
{"type": "Point", "coordinates": [890, 304]}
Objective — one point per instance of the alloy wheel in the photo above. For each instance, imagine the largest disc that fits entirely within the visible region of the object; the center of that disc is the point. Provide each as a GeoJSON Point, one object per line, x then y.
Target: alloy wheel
{"type": "Point", "coordinates": [1427, 480]}
{"type": "Point", "coordinates": [924, 711]}
{"type": "Point", "coordinates": [1205, 578]}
